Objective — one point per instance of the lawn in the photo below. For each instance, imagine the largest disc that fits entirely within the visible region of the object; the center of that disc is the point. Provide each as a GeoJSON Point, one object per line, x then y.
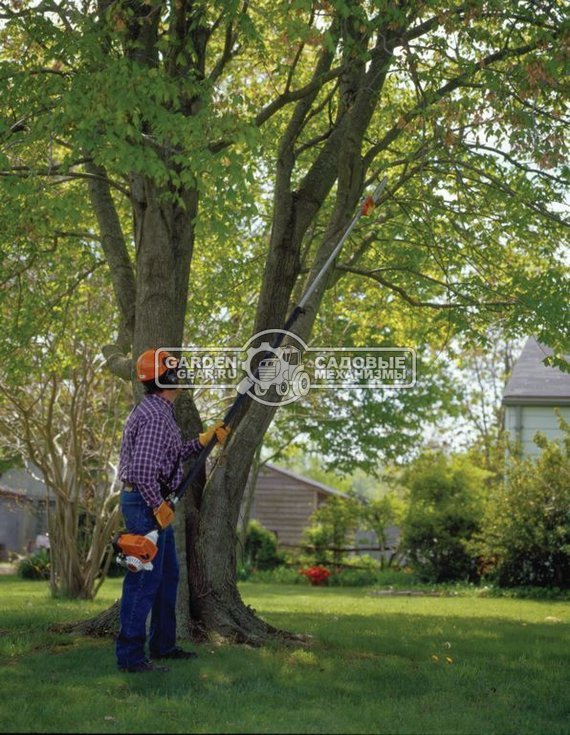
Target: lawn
{"type": "Point", "coordinates": [458, 664]}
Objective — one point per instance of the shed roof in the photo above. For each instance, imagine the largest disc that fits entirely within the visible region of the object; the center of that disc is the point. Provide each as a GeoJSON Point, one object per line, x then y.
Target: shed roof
{"type": "Point", "coordinates": [307, 481]}
{"type": "Point", "coordinates": [533, 382]}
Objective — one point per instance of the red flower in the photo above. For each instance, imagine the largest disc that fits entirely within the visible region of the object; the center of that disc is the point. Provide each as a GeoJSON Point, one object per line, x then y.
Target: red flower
{"type": "Point", "coordinates": [317, 575]}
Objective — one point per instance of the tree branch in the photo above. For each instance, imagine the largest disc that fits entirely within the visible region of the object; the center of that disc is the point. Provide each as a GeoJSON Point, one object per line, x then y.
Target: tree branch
{"type": "Point", "coordinates": [430, 98]}
{"type": "Point", "coordinates": [284, 99]}
{"type": "Point", "coordinates": [55, 172]}
{"type": "Point", "coordinates": [418, 303]}
{"type": "Point", "coordinates": [117, 362]}
{"type": "Point", "coordinates": [513, 161]}
{"type": "Point", "coordinates": [230, 45]}
{"type": "Point", "coordinates": [115, 250]}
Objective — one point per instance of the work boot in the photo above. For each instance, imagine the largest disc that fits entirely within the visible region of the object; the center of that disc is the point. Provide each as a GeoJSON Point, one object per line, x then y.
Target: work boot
{"type": "Point", "coordinates": [176, 653]}
{"type": "Point", "coordinates": [143, 668]}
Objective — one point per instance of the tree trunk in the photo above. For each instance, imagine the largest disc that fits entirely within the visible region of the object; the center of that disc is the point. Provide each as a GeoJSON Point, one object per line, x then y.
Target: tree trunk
{"type": "Point", "coordinates": [214, 601]}
{"type": "Point", "coordinates": [164, 240]}
{"type": "Point", "coordinates": [66, 575]}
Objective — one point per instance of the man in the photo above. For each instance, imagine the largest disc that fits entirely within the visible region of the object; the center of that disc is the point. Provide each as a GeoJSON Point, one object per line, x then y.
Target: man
{"type": "Point", "coordinates": [152, 454]}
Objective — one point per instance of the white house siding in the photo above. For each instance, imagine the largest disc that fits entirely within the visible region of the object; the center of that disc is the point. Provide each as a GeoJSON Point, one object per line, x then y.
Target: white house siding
{"type": "Point", "coordinates": [22, 518]}
{"type": "Point", "coordinates": [523, 422]}
{"type": "Point", "coordinates": [18, 523]}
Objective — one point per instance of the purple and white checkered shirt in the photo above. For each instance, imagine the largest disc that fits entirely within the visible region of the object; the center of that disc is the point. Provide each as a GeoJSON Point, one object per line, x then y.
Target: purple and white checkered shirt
{"type": "Point", "coordinates": [152, 444]}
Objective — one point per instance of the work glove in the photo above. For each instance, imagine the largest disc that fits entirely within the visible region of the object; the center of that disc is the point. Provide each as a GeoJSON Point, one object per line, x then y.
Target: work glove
{"type": "Point", "coordinates": [219, 429]}
{"type": "Point", "coordinates": [164, 514]}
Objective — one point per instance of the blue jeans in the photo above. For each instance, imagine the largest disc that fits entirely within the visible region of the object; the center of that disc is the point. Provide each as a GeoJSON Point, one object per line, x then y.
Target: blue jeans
{"type": "Point", "coordinates": [147, 592]}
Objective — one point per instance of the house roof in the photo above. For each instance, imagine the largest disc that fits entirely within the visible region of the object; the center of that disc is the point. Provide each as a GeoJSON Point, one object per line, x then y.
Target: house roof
{"type": "Point", "coordinates": [26, 479]}
{"type": "Point", "coordinates": [533, 382]}
{"type": "Point", "coordinates": [12, 492]}
{"type": "Point", "coordinates": [307, 481]}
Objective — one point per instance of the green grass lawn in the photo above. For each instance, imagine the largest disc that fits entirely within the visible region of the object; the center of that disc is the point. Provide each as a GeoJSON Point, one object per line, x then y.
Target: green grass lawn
{"type": "Point", "coordinates": [376, 665]}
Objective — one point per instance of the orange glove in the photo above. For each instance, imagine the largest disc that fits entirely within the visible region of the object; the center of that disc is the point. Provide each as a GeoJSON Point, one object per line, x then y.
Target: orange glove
{"type": "Point", "coordinates": [219, 429]}
{"type": "Point", "coordinates": [164, 514]}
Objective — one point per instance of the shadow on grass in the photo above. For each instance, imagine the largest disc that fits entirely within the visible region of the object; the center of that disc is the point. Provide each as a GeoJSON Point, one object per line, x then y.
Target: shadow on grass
{"type": "Point", "coordinates": [408, 669]}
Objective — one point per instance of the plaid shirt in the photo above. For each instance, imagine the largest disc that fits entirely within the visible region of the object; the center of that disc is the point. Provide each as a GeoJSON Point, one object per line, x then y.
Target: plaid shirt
{"type": "Point", "coordinates": [151, 446]}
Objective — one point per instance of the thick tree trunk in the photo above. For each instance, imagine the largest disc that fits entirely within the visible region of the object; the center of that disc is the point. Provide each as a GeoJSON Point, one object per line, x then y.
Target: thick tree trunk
{"type": "Point", "coordinates": [164, 240]}
{"type": "Point", "coordinates": [215, 603]}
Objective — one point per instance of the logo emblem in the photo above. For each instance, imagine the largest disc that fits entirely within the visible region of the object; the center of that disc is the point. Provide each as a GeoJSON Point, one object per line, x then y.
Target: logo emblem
{"type": "Point", "coordinates": [279, 367]}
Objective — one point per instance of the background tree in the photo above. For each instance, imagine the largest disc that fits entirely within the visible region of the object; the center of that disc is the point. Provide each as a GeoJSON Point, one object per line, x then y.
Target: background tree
{"type": "Point", "coordinates": [444, 513]}
{"type": "Point", "coordinates": [377, 515]}
{"type": "Point", "coordinates": [66, 421]}
{"type": "Point", "coordinates": [171, 112]}
{"type": "Point", "coordinates": [261, 548]}
{"type": "Point", "coordinates": [480, 375]}
{"type": "Point", "coordinates": [332, 527]}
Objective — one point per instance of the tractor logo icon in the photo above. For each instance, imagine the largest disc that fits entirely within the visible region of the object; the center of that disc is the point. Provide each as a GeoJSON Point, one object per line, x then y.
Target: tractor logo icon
{"type": "Point", "coordinates": [280, 367]}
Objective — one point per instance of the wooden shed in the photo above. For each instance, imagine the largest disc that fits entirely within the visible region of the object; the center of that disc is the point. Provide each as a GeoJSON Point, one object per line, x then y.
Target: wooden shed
{"type": "Point", "coordinates": [532, 397]}
{"type": "Point", "coordinates": [283, 502]}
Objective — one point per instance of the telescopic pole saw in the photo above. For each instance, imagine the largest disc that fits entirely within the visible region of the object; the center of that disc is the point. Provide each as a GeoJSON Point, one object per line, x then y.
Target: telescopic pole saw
{"type": "Point", "coordinates": [365, 207]}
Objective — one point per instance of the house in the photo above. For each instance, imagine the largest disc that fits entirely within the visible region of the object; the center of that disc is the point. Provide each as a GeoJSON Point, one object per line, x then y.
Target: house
{"type": "Point", "coordinates": [532, 397]}
{"type": "Point", "coordinates": [283, 502]}
{"type": "Point", "coordinates": [17, 521]}
{"type": "Point", "coordinates": [22, 510]}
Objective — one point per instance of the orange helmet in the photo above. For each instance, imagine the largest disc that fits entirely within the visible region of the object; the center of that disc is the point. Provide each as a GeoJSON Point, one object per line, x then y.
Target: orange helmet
{"type": "Point", "coordinates": [154, 363]}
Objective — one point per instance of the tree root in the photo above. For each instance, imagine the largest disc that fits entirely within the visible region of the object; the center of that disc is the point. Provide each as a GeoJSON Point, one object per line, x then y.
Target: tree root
{"type": "Point", "coordinates": [104, 625]}
{"type": "Point", "coordinates": [237, 624]}
{"type": "Point", "coordinates": [234, 622]}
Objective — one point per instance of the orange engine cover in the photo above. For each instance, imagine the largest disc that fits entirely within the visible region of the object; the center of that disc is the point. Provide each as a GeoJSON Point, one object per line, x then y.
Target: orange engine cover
{"type": "Point", "coordinates": [132, 544]}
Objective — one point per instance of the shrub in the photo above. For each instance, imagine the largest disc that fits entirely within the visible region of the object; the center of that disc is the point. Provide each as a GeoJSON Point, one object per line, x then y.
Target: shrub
{"type": "Point", "coordinates": [445, 511]}
{"type": "Point", "coordinates": [260, 550]}
{"type": "Point", "coordinates": [353, 578]}
{"type": "Point", "coordinates": [526, 593]}
{"type": "Point", "coordinates": [35, 566]}
{"type": "Point", "coordinates": [527, 529]}
{"type": "Point", "coordinates": [318, 539]}
{"type": "Point", "coordinates": [243, 572]}
{"type": "Point", "coordinates": [317, 575]}
{"type": "Point", "coordinates": [398, 578]}
{"type": "Point", "coordinates": [345, 578]}
{"type": "Point", "coordinates": [364, 561]}
{"type": "Point", "coordinates": [279, 575]}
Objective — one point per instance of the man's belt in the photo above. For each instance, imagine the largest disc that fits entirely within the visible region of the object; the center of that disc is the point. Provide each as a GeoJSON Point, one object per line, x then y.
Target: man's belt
{"type": "Point", "coordinates": [128, 488]}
